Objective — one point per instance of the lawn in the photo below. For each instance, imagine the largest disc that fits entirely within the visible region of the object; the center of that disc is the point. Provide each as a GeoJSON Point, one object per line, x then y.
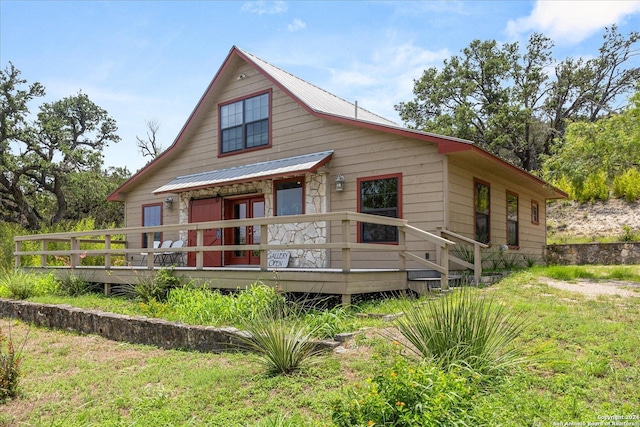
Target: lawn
{"type": "Point", "coordinates": [582, 367]}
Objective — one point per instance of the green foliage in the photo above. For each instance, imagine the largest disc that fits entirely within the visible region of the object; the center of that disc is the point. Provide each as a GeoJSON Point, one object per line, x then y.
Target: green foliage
{"type": "Point", "coordinates": [464, 328]}
{"type": "Point", "coordinates": [204, 306]}
{"type": "Point", "coordinates": [73, 285]}
{"type": "Point", "coordinates": [405, 394]}
{"type": "Point", "coordinates": [155, 287]}
{"type": "Point", "coordinates": [279, 340]}
{"type": "Point", "coordinates": [568, 273]}
{"type": "Point", "coordinates": [20, 284]}
{"type": "Point", "coordinates": [627, 185]}
{"type": "Point", "coordinates": [599, 157]}
{"type": "Point", "coordinates": [10, 360]}
{"type": "Point", "coordinates": [330, 322]}
{"type": "Point", "coordinates": [595, 187]}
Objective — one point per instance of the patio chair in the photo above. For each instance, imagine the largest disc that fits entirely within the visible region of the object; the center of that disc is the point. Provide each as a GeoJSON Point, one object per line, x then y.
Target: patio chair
{"type": "Point", "coordinates": [158, 257]}
{"type": "Point", "coordinates": [156, 245]}
{"type": "Point", "coordinates": [171, 258]}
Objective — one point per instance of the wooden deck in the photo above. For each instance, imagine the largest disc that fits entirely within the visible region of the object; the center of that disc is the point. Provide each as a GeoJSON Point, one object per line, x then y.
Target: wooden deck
{"type": "Point", "coordinates": [345, 279]}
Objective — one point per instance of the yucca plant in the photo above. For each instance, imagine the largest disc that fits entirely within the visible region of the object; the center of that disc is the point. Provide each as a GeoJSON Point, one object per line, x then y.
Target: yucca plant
{"type": "Point", "coordinates": [464, 328]}
{"type": "Point", "coordinates": [280, 340]}
{"type": "Point", "coordinates": [10, 360]}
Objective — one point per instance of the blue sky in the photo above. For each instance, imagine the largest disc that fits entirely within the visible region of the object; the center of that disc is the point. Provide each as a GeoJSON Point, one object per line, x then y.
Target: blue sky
{"type": "Point", "coordinates": [143, 60]}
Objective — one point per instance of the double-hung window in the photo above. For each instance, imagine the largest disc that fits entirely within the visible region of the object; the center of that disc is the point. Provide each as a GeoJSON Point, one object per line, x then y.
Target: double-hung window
{"type": "Point", "coordinates": [513, 238]}
{"type": "Point", "coordinates": [482, 205]}
{"type": "Point", "coordinates": [244, 124]}
{"type": "Point", "coordinates": [379, 196]}
{"type": "Point", "coordinates": [151, 216]}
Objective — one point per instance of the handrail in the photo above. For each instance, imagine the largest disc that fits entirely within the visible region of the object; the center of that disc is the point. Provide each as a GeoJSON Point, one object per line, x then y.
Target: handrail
{"type": "Point", "coordinates": [346, 241]}
{"type": "Point", "coordinates": [477, 254]}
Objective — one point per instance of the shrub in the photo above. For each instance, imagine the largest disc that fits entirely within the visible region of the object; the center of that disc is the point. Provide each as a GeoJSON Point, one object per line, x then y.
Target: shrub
{"type": "Point", "coordinates": [10, 360]}
{"type": "Point", "coordinates": [155, 287]}
{"type": "Point", "coordinates": [594, 188]}
{"type": "Point", "coordinates": [280, 341]}
{"type": "Point", "coordinates": [408, 395]}
{"type": "Point", "coordinates": [73, 286]}
{"type": "Point", "coordinates": [464, 328]}
{"type": "Point", "coordinates": [17, 284]}
{"type": "Point", "coordinates": [627, 185]}
{"type": "Point", "coordinates": [328, 323]}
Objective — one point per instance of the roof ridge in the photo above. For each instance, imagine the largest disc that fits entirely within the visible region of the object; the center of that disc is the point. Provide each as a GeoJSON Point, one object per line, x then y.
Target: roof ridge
{"type": "Point", "coordinates": [353, 104]}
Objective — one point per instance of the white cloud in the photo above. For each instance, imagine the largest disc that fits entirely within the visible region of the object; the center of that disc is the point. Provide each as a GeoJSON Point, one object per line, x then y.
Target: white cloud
{"type": "Point", "coordinates": [296, 25]}
{"type": "Point", "coordinates": [263, 7]}
{"type": "Point", "coordinates": [385, 78]}
{"type": "Point", "coordinates": [569, 22]}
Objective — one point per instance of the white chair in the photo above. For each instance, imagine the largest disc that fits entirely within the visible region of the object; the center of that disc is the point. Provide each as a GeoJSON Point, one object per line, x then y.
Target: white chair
{"type": "Point", "coordinates": [156, 245]}
{"type": "Point", "coordinates": [171, 258]}
{"type": "Point", "coordinates": [159, 256]}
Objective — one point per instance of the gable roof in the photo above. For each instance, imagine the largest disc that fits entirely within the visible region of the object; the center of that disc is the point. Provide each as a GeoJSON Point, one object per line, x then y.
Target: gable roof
{"type": "Point", "coordinates": [325, 105]}
{"type": "Point", "coordinates": [262, 170]}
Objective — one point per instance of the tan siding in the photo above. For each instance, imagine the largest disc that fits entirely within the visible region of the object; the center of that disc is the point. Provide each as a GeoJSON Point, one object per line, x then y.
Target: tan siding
{"type": "Point", "coordinates": [532, 237]}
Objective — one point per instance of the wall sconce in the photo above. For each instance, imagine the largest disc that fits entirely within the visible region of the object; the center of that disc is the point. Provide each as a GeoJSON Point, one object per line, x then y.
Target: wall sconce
{"type": "Point", "coordinates": [339, 182]}
{"type": "Point", "coordinates": [168, 202]}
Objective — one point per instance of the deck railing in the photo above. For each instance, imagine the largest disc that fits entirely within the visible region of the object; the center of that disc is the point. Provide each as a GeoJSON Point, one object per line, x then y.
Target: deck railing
{"type": "Point", "coordinates": [475, 256]}
{"type": "Point", "coordinates": [346, 242]}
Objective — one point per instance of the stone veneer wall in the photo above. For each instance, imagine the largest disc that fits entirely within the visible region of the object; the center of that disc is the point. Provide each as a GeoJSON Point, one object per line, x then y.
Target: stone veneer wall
{"type": "Point", "coordinates": [316, 201]}
{"type": "Point", "coordinates": [594, 253]}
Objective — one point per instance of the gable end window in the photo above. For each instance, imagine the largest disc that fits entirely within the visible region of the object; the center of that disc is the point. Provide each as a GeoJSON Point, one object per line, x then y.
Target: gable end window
{"type": "Point", "coordinates": [379, 196]}
{"type": "Point", "coordinates": [482, 206]}
{"type": "Point", "coordinates": [244, 124]}
{"type": "Point", "coordinates": [513, 234]}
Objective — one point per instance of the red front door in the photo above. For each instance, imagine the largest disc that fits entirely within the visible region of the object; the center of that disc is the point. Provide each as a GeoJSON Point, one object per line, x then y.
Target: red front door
{"type": "Point", "coordinates": [202, 210]}
{"type": "Point", "coordinates": [240, 209]}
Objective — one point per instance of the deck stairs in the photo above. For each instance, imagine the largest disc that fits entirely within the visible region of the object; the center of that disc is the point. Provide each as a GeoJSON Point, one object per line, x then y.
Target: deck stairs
{"type": "Point", "coordinates": [426, 281]}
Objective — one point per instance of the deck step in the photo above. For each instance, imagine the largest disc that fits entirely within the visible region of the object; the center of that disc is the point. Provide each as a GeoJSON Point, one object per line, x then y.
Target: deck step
{"type": "Point", "coordinates": [423, 285]}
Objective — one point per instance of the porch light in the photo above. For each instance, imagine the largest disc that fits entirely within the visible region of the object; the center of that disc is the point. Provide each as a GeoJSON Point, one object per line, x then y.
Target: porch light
{"type": "Point", "coordinates": [168, 202]}
{"type": "Point", "coordinates": [339, 182]}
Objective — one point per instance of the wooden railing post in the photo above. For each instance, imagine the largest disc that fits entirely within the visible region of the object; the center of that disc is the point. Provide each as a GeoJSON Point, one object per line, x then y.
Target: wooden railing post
{"type": "Point", "coordinates": [346, 250]}
{"type": "Point", "coordinates": [75, 258]}
{"type": "Point", "coordinates": [151, 257]}
{"type": "Point", "coordinates": [43, 257]}
{"type": "Point", "coordinates": [107, 256]}
{"type": "Point", "coordinates": [264, 239]}
{"type": "Point", "coordinates": [18, 249]}
{"type": "Point", "coordinates": [477, 264]}
{"type": "Point", "coordinates": [444, 276]}
{"type": "Point", "coordinates": [199, 253]}
{"type": "Point", "coordinates": [402, 241]}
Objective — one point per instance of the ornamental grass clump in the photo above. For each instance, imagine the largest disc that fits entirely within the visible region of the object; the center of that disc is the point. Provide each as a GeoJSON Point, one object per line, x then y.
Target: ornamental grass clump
{"type": "Point", "coordinates": [280, 340]}
{"type": "Point", "coordinates": [465, 328]}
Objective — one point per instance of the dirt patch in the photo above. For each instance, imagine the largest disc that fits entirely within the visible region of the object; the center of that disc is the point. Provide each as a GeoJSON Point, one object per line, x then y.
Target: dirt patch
{"type": "Point", "coordinates": [599, 219]}
{"type": "Point", "coordinates": [594, 289]}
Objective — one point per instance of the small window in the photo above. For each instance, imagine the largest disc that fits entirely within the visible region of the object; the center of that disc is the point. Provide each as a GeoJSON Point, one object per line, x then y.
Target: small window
{"type": "Point", "coordinates": [289, 197]}
{"type": "Point", "coordinates": [482, 203]}
{"type": "Point", "coordinates": [244, 124]}
{"type": "Point", "coordinates": [512, 220]}
{"type": "Point", "coordinates": [535, 212]}
{"type": "Point", "coordinates": [379, 196]}
{"type": "Point", "coordinates": [151, 216]}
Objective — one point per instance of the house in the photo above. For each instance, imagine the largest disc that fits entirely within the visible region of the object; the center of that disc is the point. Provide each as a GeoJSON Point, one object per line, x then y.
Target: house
{"type": "Point", "coordinates": [262, 142]}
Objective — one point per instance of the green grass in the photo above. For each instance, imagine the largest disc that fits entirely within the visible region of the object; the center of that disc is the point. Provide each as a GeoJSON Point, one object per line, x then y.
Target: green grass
{"type": "Point", "coordinates": [583, 366]}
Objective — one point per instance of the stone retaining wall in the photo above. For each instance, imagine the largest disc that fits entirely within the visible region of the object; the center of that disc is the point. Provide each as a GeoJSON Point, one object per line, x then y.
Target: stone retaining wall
{"type": "Point", "coordinates": [135, 330]}
{"type": "Point", "coordinates": [594, 253]}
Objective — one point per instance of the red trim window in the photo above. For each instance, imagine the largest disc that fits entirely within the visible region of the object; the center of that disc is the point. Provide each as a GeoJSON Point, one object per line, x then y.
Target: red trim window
{"type": "Point", "coordinates": [535, 212]}
{"type": "Point", "coordinates": [151, 216]}
{"type": "Point", "coordinates": [379, 195]}
{"type": "Point", "coordinates": [513, 232]}
{"type": "Point", "coordinates": [482, 207]}
{"type": "Point", "coordinates": [289, 196]}
{"type": "Point", "coordinates": [245, 124]}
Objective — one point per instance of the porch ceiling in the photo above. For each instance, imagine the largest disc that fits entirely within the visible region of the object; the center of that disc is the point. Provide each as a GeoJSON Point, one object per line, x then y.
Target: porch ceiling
{"type": "Point", "coordinates": [262, 170]}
